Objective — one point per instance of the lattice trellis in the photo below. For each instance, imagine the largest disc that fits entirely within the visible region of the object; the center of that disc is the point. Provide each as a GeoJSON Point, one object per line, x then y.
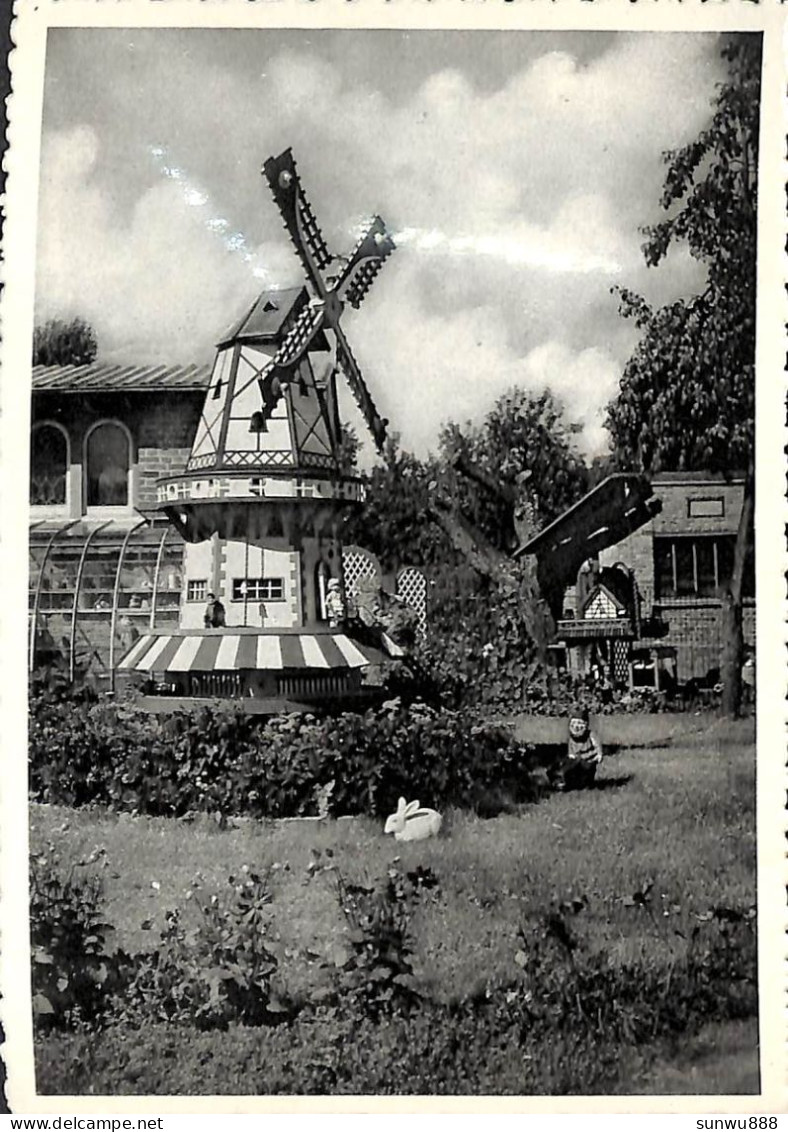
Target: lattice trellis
{"type": "Point", "coordinates": [359, 564]}
{"type": "Point", "coordinates": [412, 588]}
{"type": "Point", "coordinates": [620, 661]}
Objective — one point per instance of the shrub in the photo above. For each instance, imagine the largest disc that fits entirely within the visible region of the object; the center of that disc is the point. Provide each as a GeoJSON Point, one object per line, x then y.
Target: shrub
{"type": "Point", "coordinates": [223, 760]}
{"type": "Point", "coordinates": [564, 1026]}
{"type": "Point", "coordinates": [374, 974]}
{"type": "Point", "coordinates": [567, 987]}
{"type": "Point", "coordinates": [71, 973]}
{"type": "Point", "coordinates": [567, 1027]}
{"type": "Point", "coordinates": [214, 974]}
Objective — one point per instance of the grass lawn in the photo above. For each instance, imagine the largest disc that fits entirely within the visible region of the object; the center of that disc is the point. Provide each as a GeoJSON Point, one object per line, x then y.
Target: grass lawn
{"type": "Point", "coordinates": [682, 814]}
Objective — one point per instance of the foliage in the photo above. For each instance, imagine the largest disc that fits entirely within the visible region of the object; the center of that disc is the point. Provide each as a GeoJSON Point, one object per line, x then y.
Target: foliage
{"type": "Point", "coordinates": [568, 986]}
{"type": "Point", "coordinates": [59, 343]}
{"type": "Point", "coordinates": [52, 684]}
{"type": "Point", "coordinates": [397, 522]}
{"type": "Point", "coordinates": [70, 972]}
{"type": "Point", "coordinates": [479, 651]}
{"type": "Point", "coordinates": [568, 1025]}
{"type": "Point", "coordinates": [225, 762]}
{"type": "Point", "coordinates": [632, 871]}
{"type": "Point", "coordinates": [523, 433]}
{"type": "Point", "coordinates": [374, 974]}
{"type": "Point", "coordinates": [349, 445]}
{"type": "Point", "coordinates": [687, 396]}
{"type": "Point", "coordinates": [216, 973]}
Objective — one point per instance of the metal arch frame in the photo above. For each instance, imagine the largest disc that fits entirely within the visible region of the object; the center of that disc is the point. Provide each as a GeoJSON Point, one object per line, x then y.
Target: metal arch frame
{"type": "Point", "coordinates": [77, 586]}
{"type": "Point", "coordinates": [37, 595]}
{"type": "Point", "coordinates": [113, 623]}
{"type": "Point", "coordinates": [155, 594]}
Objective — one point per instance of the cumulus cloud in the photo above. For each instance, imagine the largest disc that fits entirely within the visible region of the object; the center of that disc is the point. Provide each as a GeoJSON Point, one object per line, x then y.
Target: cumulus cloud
{"type": "Point", "coordinates": [515, 200]}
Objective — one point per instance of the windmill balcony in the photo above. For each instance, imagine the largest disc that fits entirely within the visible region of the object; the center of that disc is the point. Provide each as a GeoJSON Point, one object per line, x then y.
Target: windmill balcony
{"type": "Point", "coordinates": [595, 629]}
{"type": "Point", "coordinates": [203, 487]}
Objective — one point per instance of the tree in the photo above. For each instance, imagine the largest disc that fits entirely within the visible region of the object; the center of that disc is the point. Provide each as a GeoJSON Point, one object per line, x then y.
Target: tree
{"type": "Point", "coordinates": [523, 454]}
{"type": "Point", "coordinates": [59, 343]}
{"type": "Point", "coordinates": [687, 395]}
{"type": "Point", "coordinates": [397, 523]}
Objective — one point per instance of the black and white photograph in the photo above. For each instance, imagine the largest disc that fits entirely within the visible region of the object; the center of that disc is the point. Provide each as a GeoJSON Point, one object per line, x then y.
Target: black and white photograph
{"type": "Point", "coordinates": [392, 660]}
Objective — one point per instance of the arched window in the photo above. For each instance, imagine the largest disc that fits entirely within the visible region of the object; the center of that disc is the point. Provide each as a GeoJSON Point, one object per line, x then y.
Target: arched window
{"type": "Point", "coordinates": [48, 466]}
{"type": "Point", "coordinates": [108, 460]}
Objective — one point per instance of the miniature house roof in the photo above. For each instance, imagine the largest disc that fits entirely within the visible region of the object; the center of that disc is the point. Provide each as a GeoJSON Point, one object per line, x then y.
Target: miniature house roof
{"type": "Point", "coordinates": [603, 603]}
{"type": "Point", "coordinates": [615, 508]}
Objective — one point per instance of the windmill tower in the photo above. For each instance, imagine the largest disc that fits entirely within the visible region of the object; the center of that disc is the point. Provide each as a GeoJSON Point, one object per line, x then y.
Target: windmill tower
{"type": "Point", "coordinates": [262, 500]}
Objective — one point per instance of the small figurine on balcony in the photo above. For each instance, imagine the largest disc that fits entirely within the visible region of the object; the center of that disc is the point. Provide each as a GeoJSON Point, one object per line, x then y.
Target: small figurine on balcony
{"type": "Point", "coordinates": [335, 605]}
{"type": "Point", "coordinates": [214, 613]}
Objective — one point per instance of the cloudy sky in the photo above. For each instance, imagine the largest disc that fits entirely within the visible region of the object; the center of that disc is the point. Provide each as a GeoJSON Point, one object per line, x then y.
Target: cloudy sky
{"type": "Point", "coordinates": [514, 170]}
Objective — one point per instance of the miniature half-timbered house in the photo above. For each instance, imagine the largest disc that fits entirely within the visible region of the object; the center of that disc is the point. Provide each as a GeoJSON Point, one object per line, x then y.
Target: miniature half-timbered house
{"type": "Point", "coordinates": [642, 566]}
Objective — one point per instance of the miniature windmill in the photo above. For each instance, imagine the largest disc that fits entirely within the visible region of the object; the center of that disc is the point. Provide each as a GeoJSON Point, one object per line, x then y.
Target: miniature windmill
{"type": "Point", "coordinates": [263, 497]}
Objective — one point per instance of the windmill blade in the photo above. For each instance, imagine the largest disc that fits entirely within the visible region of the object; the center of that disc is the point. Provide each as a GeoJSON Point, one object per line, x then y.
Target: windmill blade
{"type": "Point", "coordinates": [298, 338]}
{"type": "Point", "coordinates": [282, 177]}
{"type": "Point", "coordinates": [372, 251]}
{"type": "Point", "coordinates": [349, 366]}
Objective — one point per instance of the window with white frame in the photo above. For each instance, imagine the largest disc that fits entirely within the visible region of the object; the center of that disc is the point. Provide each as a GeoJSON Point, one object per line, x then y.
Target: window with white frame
{"type": "Point", "coordinates": [258, 589]}
{"type": "Point", "coordinates": [197, 589]}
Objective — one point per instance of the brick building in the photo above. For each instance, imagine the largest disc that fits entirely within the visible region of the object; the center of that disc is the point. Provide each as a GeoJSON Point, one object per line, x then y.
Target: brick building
{"type": "Point", "coordinates": [679, 560]}
{"type": "Point", "coordinates": [103, 564]}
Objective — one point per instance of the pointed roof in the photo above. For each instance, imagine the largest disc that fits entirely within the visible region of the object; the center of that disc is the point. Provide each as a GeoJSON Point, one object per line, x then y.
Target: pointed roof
{"type": "Point", "coordinates": [263, 321]}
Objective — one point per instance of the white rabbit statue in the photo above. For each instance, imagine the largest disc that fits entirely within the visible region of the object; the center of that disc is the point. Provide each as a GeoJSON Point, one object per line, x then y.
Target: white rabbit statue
{"type": "Point", "coordinates": [410, 823]}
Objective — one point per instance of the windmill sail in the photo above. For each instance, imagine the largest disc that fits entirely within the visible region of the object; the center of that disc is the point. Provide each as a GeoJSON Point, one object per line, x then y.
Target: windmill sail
{"type": "Point", "coordinates": [332, 290]}
{"type": "Point", "coordinates": [280, 172]}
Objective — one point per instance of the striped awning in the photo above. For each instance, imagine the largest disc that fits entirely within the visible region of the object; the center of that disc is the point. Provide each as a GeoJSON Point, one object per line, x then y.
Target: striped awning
{"type": "Point", "coordinates": [228, 651]}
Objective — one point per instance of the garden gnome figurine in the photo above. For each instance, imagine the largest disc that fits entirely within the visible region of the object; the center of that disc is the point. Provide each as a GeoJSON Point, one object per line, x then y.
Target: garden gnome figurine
{"type": "Point", "coordinates": [335, 606]}
{"type": "Point", "coordinates": [583, 754]}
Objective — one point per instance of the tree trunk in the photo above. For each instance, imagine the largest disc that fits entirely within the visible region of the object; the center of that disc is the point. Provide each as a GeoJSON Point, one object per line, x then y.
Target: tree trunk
{"type": "Point", "coordinates": [732, 653]}
{"type": "Point", "coordinates": [503, 571]}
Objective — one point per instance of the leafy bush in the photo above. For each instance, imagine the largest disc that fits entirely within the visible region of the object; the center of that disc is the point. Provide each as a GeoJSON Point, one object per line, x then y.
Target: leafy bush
{"type": "Point", "coordinates": [214, 974]}
{"type": "Point", "coordinates": [374, 975]}
{"type": "Point", "coordinates": [60, 343]}
{"type": "Point", "coordinates": [71, 975]}
{"type": "Point", "coordinates": [559, 1026]}
{"type": "Point", "coordinates": [567, 987]}
{"type": "Point", "coordinates": [567, 1027]}
{"type": "Point", "coordinates": [218, 760]}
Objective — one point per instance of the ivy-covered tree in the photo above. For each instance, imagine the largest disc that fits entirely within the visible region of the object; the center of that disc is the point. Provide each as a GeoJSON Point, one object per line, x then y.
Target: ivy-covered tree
{"type": "Point", "coordinates": [687, 395]}
{"type": "Point", "coordinates": [460, 515]}
{"type": "Point", "coordinates": [523, 455]}
{"type": "Point", "coordinates": [397, 523]}
{"type": "Point", "coordinates": [59, 343]}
